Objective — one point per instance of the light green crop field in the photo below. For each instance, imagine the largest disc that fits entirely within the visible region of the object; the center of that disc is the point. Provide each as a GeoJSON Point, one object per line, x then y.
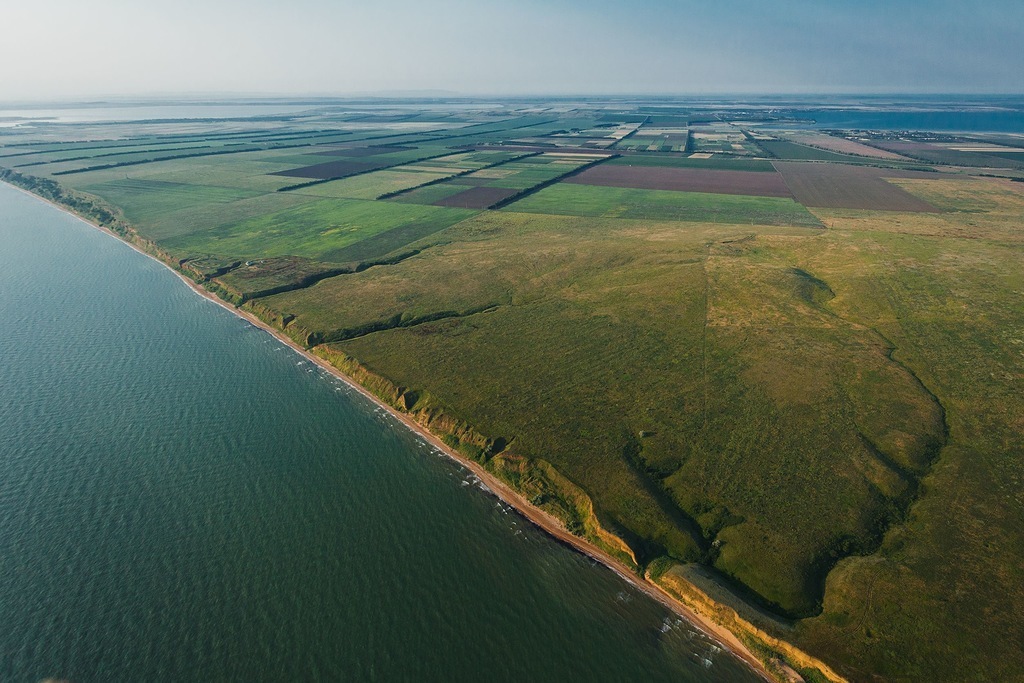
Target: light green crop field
{"type": "Point", "coordinates": [315, 230]}
{"type": "Point", "coordinates": [618, 202]}
{"type": "Point", "coordinates": [819, 411]}
{"type": "Point", "coordinates": [372, 185]}
{"type": "Point", "coordinates": [94, 153]}
{"type": "Point", "coordinates": [144, 201]}
{"type": "Point", "coordinates": [431, 193]}
{"type": "Point", "coordinates": [168, 210]}
{"type": "Point", "coordinates": [247, 170]}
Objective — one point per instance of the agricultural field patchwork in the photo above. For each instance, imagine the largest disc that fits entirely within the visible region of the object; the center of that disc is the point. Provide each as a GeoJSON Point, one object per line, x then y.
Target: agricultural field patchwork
{"type": "Point", "coordinates": [722, 138]}
{"type": "Point", "coordinates": [655, 139]}
{"type": "Point", "coordinates": [500, 181]}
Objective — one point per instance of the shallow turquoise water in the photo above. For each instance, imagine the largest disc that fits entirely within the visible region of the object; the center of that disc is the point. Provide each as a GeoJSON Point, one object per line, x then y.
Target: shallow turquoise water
{"type": "Point", "coordinates": [182, 498]}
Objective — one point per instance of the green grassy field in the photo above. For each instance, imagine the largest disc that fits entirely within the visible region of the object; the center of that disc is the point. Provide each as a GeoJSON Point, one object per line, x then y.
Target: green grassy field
{"type": "Point", "coordinates": [315, 230]}
{"type": "Point", "coordinates": [372, 185]}
{"type": "Point", "coordinates": [616, 202]}
{"type": "Point", "coordinates": [820, 408]}
{"type": "Point", "coordinates": [145, 201]}
{"type": "Point", "coordinates": [431, 193]}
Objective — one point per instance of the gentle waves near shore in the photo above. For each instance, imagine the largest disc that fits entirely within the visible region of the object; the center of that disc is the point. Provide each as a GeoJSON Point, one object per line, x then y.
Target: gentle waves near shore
{"type": "Point", "coordinates": [184, 498]}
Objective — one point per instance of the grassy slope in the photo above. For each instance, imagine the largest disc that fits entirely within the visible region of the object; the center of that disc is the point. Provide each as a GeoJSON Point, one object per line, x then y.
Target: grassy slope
{"type": "Point", "coordinates": [940, 601]}
{"type": "Point", "coordinates": [808, 406]}
{"type": "Point", "coordinates": [551, 349]}
{"type": "Point", "coordinates": [420, 287]}
{"type": "Point", "coordinates": [617, 328]}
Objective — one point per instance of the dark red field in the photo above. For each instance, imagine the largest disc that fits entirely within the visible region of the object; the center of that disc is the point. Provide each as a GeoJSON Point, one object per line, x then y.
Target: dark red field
{"type": "Point", "coordinates": [841, 186]}
{"type": "Point", "coordinates": [332, 169]}
{"type": "Point", "coordinates": [684, 180]}
{"type": "Point", "coordinates": [477, 197]}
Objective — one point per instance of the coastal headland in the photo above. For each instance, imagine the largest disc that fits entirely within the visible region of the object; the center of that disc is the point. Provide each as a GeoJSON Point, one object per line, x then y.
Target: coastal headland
{"type": "Point", "coordinates": [724, 354]}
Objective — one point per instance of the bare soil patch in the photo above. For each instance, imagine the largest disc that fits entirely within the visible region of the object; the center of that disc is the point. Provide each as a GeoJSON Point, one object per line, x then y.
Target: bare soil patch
{"type": "Point", "coordinates": [840, 186]}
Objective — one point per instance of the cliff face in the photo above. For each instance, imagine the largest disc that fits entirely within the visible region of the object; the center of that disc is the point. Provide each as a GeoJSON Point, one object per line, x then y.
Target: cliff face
{"type": "Point", "coordinates": [534, 479]}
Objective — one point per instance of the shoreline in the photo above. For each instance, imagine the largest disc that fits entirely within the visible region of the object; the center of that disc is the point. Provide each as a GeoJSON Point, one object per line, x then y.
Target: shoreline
{"type": "Point", "coordinates": [722, 636]}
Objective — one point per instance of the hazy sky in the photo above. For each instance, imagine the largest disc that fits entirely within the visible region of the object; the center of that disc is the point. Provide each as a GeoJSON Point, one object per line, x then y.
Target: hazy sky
{"type": "Point", "coordinates": [76, 48]}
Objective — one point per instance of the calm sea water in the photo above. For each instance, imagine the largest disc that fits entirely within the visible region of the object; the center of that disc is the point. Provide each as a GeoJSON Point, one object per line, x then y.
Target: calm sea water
{"type": "Point", "coordinates": [184, 499]}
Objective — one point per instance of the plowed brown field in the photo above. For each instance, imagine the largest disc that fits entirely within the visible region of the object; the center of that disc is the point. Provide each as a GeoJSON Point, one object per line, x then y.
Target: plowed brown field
{"type": "Point", "coordinates": [840, 186]}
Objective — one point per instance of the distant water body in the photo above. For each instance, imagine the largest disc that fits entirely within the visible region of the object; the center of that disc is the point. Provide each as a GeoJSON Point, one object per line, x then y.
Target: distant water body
{"type": "Point", "coordinates": [968, 120]}
{"type": "Point", "coordinates": [146, 112]}
{"type": "Point", "coordinates": [945, 121]}
{"type": "Point", "coordinates": [182, 498]}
